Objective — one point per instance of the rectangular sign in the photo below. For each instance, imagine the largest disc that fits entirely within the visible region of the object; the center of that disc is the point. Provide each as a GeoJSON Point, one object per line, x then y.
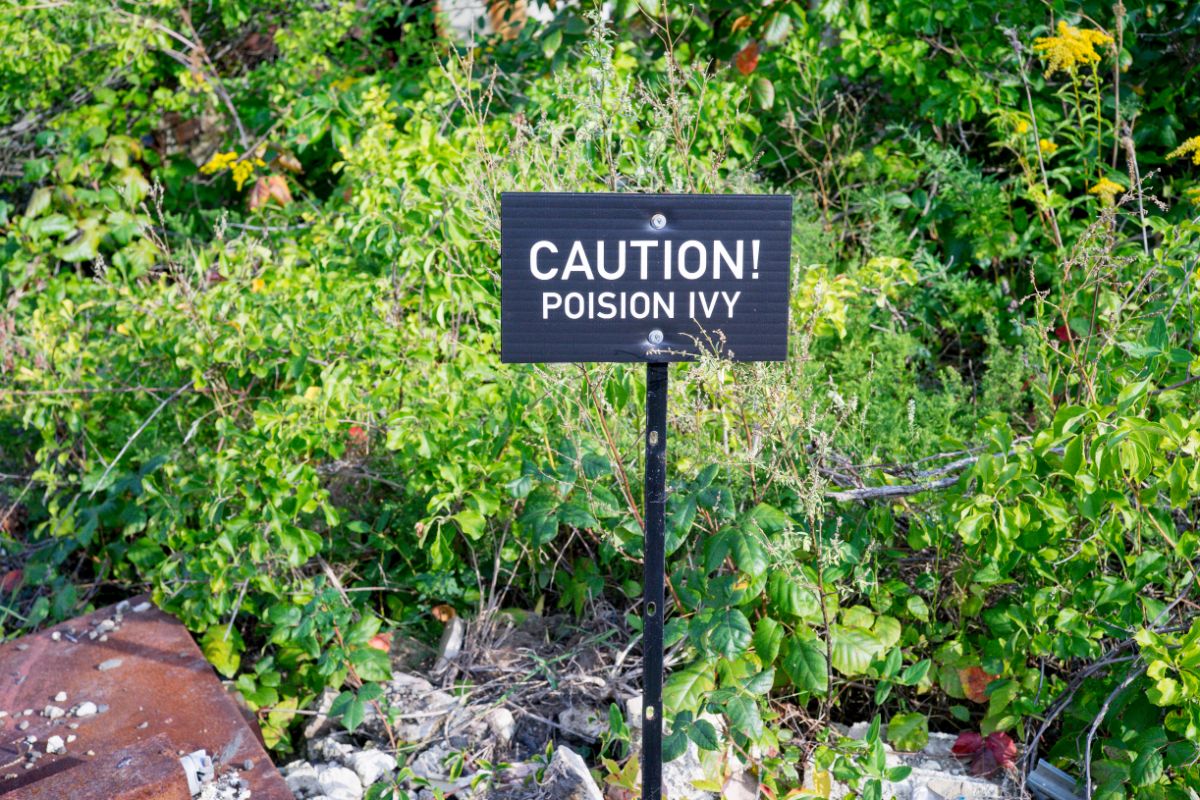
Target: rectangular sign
{"type": "Point", "coordinates": [643, 277]}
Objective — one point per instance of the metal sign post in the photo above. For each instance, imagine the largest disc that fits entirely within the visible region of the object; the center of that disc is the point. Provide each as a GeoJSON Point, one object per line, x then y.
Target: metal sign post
{"type": "Point", "coordinates": [654, 574]}
{"type": "Point", "coordinates": [652, 279]}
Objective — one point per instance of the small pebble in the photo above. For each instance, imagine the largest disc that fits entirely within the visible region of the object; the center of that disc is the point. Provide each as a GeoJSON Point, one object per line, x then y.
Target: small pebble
{"type": "Point", "coordinates": [112, 663]}
{"type": "Point", "coordinates": [27, 712]}
{"type": "Point", "coordinates": [91, 752]}
{"type": "Point", "coordinates": [61, 697]}
{"type": "Point", "coordinates": [143, 726]}
{"type": "Point", "coordinates": [3, 714]}
{"type": "Point", "coordinates": [55, 745]}
{"type": "Point", "coordinates": [23, 725]}
{"type": "Point", "coordinates": [86, 709]}
{"type": "Point", "coordinates": [53, 712]}
{"type": "Point", "coordinates": [71, 737]}
{"type": "Point", "coordinates": [30, 739]}
{"type": "Point", "coordinates": [73, 726]}
{"type": "Point", "coordinates": [56, 636]}
{"type": "Point", "coordinates": [103, 638]}
{"type": "Point", "coordinates": [140, 607]}
{"type": "Point", "coordinates": [22, 647]}
{"type": "Point", "coordinates": [248, 764]}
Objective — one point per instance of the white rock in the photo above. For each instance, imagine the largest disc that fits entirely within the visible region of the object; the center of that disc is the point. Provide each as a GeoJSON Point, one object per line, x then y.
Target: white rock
{"type": "Point", "coordinates": [340, 783]}
{"type": "Point", "coordinates": [568, 778]}
{"type": "Point", "coordinates": [451, 644]}
{"type": "Point", "coordinates": [301, 777]}
{"type": "Point", "coordinates": [502, 724]}
{"type": "Point", "coordinates": [371, 766]}
{"type": "Point", "coordinates": [583, 720]}
{"type": "Point", "coordinates": [431, 764]}
{"type": "Point", "coordinates": [55, 745]}
{"type": "Point", "coordinates": [61, 697]}
{"type": "Point", "coordinates": [53, 712]}
{"type": "Point", "coordinates": [330, 750]}
{"type": "Point", "coordinates": [86, 709]}
{"type": "Point", "coordinates": [679, 776]}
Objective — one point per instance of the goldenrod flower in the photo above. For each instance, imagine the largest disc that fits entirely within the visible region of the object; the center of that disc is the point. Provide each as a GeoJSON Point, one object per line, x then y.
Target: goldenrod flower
{"type": "Point", "coordinates": [1070, 48]}
{"type": "Point", "coordinates": [1048, 147]}
{"type": "Point", "coordinates": [1193, 195]}
{"type": "Point", "coordinates": [1022, 127]}
{"type": "Point", "coordinates": [1107, 190]}
{"type": "Point", "coordinates": [219, 163]}
{"type": "Point", "coordinates": [1192, 146]}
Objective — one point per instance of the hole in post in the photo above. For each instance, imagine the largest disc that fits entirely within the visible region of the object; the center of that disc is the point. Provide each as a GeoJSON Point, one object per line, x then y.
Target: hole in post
{"type": "Point", "coordinates": [649, 712]}
{"type": "Point", "coordinates": [650, 609]}
{"type": "Point", "coordinates": [653, 438]}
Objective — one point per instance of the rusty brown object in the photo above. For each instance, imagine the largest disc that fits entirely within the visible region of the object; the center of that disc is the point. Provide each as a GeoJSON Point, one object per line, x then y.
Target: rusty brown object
{"type": "Point", "coordinates": [148, 770]}
{"type": "Point", "coordinates": [156, 697]}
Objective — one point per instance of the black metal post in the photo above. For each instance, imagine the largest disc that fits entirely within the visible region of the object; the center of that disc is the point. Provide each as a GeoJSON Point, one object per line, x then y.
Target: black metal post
{"type": "Point", "coordinates": [653, 578]}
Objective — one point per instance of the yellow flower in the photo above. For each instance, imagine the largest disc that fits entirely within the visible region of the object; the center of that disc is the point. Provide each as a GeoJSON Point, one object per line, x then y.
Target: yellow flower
{"type": "Point", "coordinates": [1193, 194]}
{"type": "Point", "coordinates": [1192, 146]}
{"type": "Point", "coordinates": [257, 285]}
{"type": "Point", "coordinates": [1070, 48]}
{"type": "Point", "coordinates": [219, 163]}
{"type": "Point", "coordinates": [342, 84]}
{"type": "Point", "coordinates": [241, 168]}
{"type": "Point", "coordinates": [1022, 127]}
{"type": "Point", "coordinates": [1106, 190]}
{"type": "Point", "coordinates": [1048, 147]}
{"type": "Point", "coordinates": [312, 393]}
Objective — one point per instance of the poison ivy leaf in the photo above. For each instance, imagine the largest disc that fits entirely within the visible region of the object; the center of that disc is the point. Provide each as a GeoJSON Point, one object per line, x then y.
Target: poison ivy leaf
{"type": "Point", "coordinates": [908, 732]}
{"type": "Point", "coordinates": [222, 645]}
{"type": "Point", "coordinates": [730, 634]}
{"type": "Point", "coordinates": [768, 635]}
{"type": "Point", "coordinates": [804, 662]}
{"type": "Point", "coordinates": [853, 649]}
{"type": "Point", "coordinates": [743, 715]}
{"type": "Point", "coordinates": [704, 734]}
{"type": "Point", "coordinates": [686, 688]}
{"type": "Point", "coordinates": [749, 553]}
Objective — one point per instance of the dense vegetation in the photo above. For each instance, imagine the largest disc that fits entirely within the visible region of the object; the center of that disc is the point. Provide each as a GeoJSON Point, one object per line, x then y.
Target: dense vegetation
{"type": "Point", "coordinates": [249, 355]}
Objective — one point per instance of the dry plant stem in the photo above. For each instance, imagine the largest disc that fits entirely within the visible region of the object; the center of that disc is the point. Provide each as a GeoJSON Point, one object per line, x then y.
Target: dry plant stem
{"type": "Point", "coordinates": [1136, 177]}
{"type": "Point", "coordinates": [1087, 752]}
{"type": "Point", "coordinates": [1012, 35]}
{"type": "Point", "coordinates": [357, 682]}
{"type": "Point", "coordinates": [623, 477]}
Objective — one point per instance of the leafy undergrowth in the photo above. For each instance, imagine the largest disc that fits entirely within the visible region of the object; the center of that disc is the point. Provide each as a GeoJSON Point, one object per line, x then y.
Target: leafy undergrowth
{"type": "Point", "coordinates": [249, 358]}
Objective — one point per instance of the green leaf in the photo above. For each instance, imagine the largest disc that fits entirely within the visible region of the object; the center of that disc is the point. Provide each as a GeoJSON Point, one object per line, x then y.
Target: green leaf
{"type": "Point", "coordinates": [730, 634]}
{"type": "Point", "coordinates": [743, 715]}
{"type": "Point", "coordinates": [1147, 768]}
{"type": "Point", "coordinates": [675, 743]}
{"type": "Point", "coordinates": [685, 688]}
{"type": "Point", "coordinates": [223, 651]}
{"type": "Point", "coordinates": [917, 607]}
{"type": "Point", "coordinates": [749, 553]}
{"type": "Point", "coordinates": [804, 662]}
{"type": "Point", "coordinates": [768, 636]}
{"type": "Point", "coordinates": [764, 92]}
{"type": "Point", "coordinates": [853, 649]}
{"type": "Point", "coordinates": [908, 732]}
{"type": "Point", "coordinates": [704, 734]}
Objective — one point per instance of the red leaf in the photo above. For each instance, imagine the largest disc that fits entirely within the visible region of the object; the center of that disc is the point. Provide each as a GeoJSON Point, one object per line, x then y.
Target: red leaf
{"type": "Point", "coordinates": [747, 59]}
{"type": "Point", "coordinates": [974, 683]}
{"type": "Point", "coordinates": [1062, 333]}
{"type": "Point", "coordinates": [381, 641]}
{"type": "Point", "coordinates": [11, 581]}
{"type": "Point", "coordinates": [988, 756]}
{"type": "Point", "coordinates": [357, 434]}
{"type": "Point", "coordinates": [1003, 748]}
{"type": "Point", "coordinates": [967, 744]}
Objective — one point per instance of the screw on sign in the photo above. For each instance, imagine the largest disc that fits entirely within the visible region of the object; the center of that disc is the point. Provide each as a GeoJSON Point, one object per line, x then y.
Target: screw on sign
{"type": "Point", "coordinates": [653, 279]}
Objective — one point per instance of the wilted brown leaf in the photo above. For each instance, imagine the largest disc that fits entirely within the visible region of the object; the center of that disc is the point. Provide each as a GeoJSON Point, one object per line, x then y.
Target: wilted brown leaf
{"type": "Point", "coordinates": [974, 683]}
{"type": "Point", "coordinates": [746, 60]}
{"type": "Point", "coordinates": [268, 188]}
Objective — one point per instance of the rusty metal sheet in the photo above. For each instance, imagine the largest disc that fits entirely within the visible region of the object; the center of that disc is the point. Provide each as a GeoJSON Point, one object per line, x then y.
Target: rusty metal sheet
{"type": "Point", "coordinates": [148, 770]}
{"type": "Point", "coordinates": [127, 691]}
